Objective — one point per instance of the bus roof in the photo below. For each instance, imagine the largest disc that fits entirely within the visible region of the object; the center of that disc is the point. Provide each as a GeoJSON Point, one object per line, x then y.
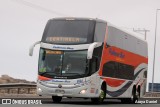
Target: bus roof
{"type": "Point", "coordinates": [79, 18]}
{"type": "Point", "coordinates": [99, 20]}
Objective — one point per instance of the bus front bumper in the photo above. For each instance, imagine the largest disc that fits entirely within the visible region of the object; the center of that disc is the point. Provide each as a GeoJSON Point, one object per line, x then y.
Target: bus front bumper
{"type": "Point", "coordinates": [79, 92]}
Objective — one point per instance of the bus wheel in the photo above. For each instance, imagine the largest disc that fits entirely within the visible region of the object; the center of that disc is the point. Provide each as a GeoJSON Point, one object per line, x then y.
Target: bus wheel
{"type": "Point", "coordinates": [139, 92]}
{"type": "Point", "coordinates": [133, 97]}
{"type": "Point", "coordinates": [56, 99]}
{"type": "Point", "coordinates": [127, 100]}
{"type": "Point", "coordinates": [101, 97]}
{"type": "Point", "coordinates": [130, 100]}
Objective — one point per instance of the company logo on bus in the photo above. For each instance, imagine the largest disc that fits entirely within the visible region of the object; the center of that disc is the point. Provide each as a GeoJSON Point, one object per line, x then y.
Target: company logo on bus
{"type": "Point", "coordinates": [117, 54]}
{"type": "Point", "coordinates": [63, 48]}
{"type": "Point", "coordinates": [59, 86]}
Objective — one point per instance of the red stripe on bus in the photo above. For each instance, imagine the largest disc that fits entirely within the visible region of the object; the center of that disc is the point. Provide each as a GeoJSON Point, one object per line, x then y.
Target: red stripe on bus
{"type": "Point", "coordinates": [112, 82]}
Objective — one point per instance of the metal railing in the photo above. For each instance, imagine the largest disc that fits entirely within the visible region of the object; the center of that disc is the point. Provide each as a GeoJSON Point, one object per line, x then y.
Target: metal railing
{"type": "Point", "coordinates": [152, 94]}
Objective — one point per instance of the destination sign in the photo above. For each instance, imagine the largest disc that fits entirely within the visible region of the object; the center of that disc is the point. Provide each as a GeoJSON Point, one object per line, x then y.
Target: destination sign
{"type": "Point", "coordinates": [53, 52]}
{"type": "Point", "coordinates": [66, 40]}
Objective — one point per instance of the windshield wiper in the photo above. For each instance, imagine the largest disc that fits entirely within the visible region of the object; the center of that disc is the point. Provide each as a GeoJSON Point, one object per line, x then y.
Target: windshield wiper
{"type": "Point", "coordinates": [73, 73]}
{"type": "Point", "coordinates": [47, 72]}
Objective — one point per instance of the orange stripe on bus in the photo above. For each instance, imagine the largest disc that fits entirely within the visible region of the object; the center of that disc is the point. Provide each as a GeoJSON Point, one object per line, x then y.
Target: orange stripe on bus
{"type": "Point", "coordinates": [43, 78]}
{"type": "Point", "coordinates": [129, 59]}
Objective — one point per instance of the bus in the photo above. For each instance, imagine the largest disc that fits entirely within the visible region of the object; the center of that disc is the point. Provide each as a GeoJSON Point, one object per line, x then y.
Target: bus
{"type": "Point", "coordinates": [90, 58]}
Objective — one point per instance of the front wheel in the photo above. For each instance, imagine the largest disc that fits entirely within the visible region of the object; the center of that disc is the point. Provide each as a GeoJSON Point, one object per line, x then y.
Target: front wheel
{"type": "Point", "coordinates": [101, 97]}
{"type": "Point", "coordinates": [56, 99]}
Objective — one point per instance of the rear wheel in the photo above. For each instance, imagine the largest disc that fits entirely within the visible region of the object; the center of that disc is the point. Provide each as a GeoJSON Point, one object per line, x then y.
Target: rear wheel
{"type": "Point", "coordinates": [134, 96]}
{"type": "Point", "coordinates": [56, 99]}
{"type": "Point", "coordinates": [139, 92]}
{"type": "Point", "coordinates": [131, 100]}
{"type": "Point", "coordinates": [126, 100]}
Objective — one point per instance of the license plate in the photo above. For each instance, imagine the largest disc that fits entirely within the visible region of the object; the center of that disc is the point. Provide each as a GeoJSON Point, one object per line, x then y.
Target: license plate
{"type": "Point", "coordinates": [59, 91]}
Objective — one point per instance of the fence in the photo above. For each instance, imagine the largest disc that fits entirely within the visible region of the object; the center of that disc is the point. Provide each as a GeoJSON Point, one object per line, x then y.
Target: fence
{"type": "Point", "coordinates": [18, 88]}
{"type": "Point", "coordinates": [152, 94]}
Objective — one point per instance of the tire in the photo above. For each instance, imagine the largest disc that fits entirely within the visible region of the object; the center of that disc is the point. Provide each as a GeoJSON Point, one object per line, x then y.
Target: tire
{"type": "Point", "coordinates": [56, 99]}
{"type": "Point", "coordinates": [133, 97]}
{"type": "Point", "coordinates": [131, 100]}
{"type": "Point", "coordinates": [101, 97]}
{"type": "Point", "coordinates": [139, 92]}
{"type": "Point", "coordinates": [126, 100]}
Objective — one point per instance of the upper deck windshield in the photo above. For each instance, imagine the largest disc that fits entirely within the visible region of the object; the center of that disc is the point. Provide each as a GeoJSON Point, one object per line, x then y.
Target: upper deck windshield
{"type": "Point", "coordinates": [69, 32]}
{"type": "Point", "coordinates": [62, 63]}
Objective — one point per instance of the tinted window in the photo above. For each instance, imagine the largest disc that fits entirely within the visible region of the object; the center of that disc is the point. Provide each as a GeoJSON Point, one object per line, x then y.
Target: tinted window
{"type": "Point", "coordinates": [93, 65]}
{"type": "Point", "coordinates": [118, 70]}
{"type": "Point", "coordinates": [70, 64]}
{"type": "Point", "coordinates": [125, 71]}
{"type": "Point", "coordinates": [95, 61]}
{"type": "Point", "coordinates": [109, 69]}
{"type": "Point", "coordinates": [69, 31]}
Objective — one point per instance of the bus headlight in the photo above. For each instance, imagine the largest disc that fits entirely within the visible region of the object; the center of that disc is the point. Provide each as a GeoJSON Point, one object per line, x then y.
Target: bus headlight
{"type": "Point", "coordinates": [39, 89]}
{"type": "Point", "coordinates": [83, 91]}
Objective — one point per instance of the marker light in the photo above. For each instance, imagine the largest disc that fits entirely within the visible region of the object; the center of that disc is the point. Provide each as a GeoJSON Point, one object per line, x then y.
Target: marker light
{"type": "Point", "coordinates": [83, 91]}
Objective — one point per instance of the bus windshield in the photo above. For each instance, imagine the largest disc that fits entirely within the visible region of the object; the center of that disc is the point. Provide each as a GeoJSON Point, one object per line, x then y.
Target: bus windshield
{"type": "Point", "coordinates": [62, 63]}
{"type": "Point", "coordinates": [69, 32]}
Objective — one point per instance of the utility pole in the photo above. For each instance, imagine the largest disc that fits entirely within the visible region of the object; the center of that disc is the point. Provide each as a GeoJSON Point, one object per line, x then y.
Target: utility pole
{"type": "Point", "coordinates": [142, 30]}
{"type": "Point", "coordinates": [154, 50]}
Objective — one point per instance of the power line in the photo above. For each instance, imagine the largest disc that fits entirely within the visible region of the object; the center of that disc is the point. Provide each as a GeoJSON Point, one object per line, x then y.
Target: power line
{"type": "Point", "coordinates": [29, 4]}
{"type": "Point", "coordinates": [138, 30]}
{"type": "Point", "coordinates": [142, 30]}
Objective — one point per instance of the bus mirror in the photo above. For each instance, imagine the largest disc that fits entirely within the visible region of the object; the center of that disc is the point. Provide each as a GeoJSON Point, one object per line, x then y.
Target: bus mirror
{"type": "Point", "coordinates": [90, 50]}
{"type": "Point", "coordinates": [32, 48]}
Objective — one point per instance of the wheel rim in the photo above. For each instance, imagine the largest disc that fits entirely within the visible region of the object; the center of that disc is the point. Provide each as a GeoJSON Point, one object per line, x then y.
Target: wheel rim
{"type": "Point", "coordinates": [102, 95]}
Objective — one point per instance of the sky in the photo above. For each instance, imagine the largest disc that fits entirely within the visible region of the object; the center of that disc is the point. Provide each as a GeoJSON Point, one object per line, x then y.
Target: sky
{"type": "Point", "coordinates": [22, 23]}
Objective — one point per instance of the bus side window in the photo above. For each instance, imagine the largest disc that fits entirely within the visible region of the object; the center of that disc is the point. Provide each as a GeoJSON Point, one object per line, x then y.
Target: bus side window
{"type": "Point", "coordinates": [94, 65]}
{"type": "Point", "coordinates": [125, 71]}
{"type": "Point", "coordinates": [109, 69]}
{"type": "Point", "coordinates": [97, 54]}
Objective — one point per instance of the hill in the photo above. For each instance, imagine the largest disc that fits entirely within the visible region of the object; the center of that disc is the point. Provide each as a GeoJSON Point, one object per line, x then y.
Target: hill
{"type": "Point", "coordinates": [7, 79]}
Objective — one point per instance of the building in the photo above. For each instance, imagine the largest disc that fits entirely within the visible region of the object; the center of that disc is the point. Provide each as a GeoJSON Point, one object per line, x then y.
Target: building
{"type": "Point", "coordinates": [156, 87]}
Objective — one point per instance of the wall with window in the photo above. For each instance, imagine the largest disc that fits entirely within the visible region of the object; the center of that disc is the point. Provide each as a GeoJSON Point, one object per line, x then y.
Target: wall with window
{"type": "Point", "coordinates": [156, 87]}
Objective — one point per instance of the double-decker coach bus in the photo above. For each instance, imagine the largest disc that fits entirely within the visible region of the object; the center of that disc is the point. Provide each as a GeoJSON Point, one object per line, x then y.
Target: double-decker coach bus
{"type": "Point", "coordinates": [90, 58]}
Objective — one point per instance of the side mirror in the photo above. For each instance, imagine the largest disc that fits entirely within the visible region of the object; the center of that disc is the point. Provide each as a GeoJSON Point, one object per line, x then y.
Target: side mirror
{"type": "Point", "coordinates": [32, 48]}
{"type": "Point", "coordinates": [90, 50]}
